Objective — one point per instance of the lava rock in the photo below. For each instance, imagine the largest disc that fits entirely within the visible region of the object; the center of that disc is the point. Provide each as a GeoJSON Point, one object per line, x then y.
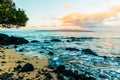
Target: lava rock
{"type": "Point", "coordinates": [60, 77]}
{"type": "Point", "coordinates": [72, 49]}
{"type": "Point", "coordinates": [6, 76]}
{"type": "Point", "coordinates": [68, 41]}
{"type": "Point", "coordinates": [34, 41]}
{"type": "Point", "coordinates": [51, 53]}
{"type": "Point", "coordinates": [7, 40]}
{"type": "Point", "coordinates": [4, 39]}
{"type": "Point", "coordinates": [54, 62]}
{"type": "Point", "coordinates": [55, 40]}
{"type": "Point", "coordinates": [17, 68]}
{"type": "Point", "coordinates": [21, 50]}
{"type": "Point", "coordinates": [88, 51]}
{"type": "Point", "coordinates": [18, 40]}
{"type": "Point", "coordinates": [48, 75]}
{"type": "Point", "coordinates": [60, 68]}
{"type": "Point", "coordinates": [27, 67]}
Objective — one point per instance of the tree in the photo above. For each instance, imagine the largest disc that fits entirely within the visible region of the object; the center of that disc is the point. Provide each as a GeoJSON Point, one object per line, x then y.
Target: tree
{"type": "Point", "coordinates": [10, 16]}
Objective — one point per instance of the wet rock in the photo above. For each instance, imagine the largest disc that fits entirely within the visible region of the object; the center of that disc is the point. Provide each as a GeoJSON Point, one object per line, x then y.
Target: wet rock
{"type": "Point", "coordinates": [7, 40]}
{"type": "Point", "coordinates": [6, 76]}
{"type": "Point", "coordinates": [72, 49]}
{"type": "Point", "coordinates": [88, 51]}
{"type": "Point", "coordinates": [17, 68]}
{"type": "Point", "coordinates": [103, 76]}
{"type": "Point", "coordinates": [60, 68]}
{"type": "Point", "coordinates": [54, 62]}
{"type": "Point", "coordinates": [21, 50]}
{"type": "Point", "coordinates": [18, 40]}
{"type": "Point", "coordinates": [106, 57]}
{"type": "Point", "coordinates": [84, 77]}
{"type": "Point", "coordinates": [34, 41]}
{"type": "Point", "coordinates": [27, 67]}
{"type": "Point", "coordinates": [55, 40]}
{"type": "Point", "coordinates": [68, 41]}
{"type": "Point", "coordinates": [4, 39]}
{"type": "Point", "coordinates": [82, 38]}
{"type": "Point", "coordinates": [60, 77]}
{"type": "Point", "coordinates": [15, 46]}
{"type": "Point", "coordinates": [28, 79]}
{"type": "Point", "coordinates": [51, 53]}
{"type": "Point", "coordinates": [48, 75]}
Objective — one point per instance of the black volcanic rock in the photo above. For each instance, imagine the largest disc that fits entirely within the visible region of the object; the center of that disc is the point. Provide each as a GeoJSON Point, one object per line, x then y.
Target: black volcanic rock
{"type": "Point", "coordinates": [88, 51]}
{"type": "Point", "coordinates": [9, 40]}
{"type": "Point", "coordinates": [27, 67]}
{"type": "Point", "coordinates": [51, 53]}
{"type": "Point", "coordinates": [18, 40]}
{"type": "Point", "coordinates": [17, 68]}
{"type": "Point", "coordinates": [34, 41]}
{"type": "Point", "coordinates": [72, 49]}
{"type": "Point", "coordinates": [4, 39]}
{"type": "Point", "coordinates": [55, 40]}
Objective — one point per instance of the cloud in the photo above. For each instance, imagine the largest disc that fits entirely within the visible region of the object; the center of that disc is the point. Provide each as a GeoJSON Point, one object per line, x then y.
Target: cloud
{"type": "Point", "coordinates": [77, 16]}
{"type": "Point", "coordinates": [65, 6]}
{"type": "Point", "coordinates": [107, 0]}
{"type": "Point", "coordinates": [81, 19]}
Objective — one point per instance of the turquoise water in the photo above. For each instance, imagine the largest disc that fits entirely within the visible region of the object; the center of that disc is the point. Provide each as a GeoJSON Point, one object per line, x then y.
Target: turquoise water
{"type": "Point", "coordinates": [105, 45]}
{"type": "Point", "coordinates": [102, 43]}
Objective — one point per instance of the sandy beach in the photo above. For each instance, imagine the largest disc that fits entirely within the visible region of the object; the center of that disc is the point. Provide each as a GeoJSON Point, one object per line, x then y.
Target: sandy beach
{"type": "Point", "coordinates": [9, 59]}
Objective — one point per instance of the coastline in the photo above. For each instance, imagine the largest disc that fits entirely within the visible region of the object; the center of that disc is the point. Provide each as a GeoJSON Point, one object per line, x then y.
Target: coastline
{"type": "Point", "coordinates": [9, 59]}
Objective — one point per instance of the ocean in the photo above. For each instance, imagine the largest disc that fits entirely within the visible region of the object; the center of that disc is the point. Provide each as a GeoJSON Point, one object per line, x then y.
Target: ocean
{"type": "Point", "coordinates": [106, 45]}
{"type": "Point", "coordinates": [102, 43]}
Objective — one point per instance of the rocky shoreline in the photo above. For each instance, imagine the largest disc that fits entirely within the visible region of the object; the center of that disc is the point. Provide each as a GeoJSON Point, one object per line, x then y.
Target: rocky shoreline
{"type": "Point", "coordinates": [79, 64]}
{"type": "Point", "coordinates": [20, 67]}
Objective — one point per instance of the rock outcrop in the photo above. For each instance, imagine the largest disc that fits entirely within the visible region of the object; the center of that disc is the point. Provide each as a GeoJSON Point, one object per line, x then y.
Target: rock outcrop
{"type": "Point", "coordinates": [12, 40]}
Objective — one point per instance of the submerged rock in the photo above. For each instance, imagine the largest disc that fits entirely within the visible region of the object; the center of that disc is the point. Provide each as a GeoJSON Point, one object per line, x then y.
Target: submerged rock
{"type": "Point", "coordinates": [72, 49]}
{"type": "Point", "coordinates": [60, 68]}
{"type": "Point", "coordinates": [54, 62]}
{"type": "Point", "coordinates": [55, 40]}
{"type": "Point", "coordinates": [34, 41]}
{"type": "Point", "coordinates": [88, 51]}
{"type": "Point", "coordinates": [51, 53]}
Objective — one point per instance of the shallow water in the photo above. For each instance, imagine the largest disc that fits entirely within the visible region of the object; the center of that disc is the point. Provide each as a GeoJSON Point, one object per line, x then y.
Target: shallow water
{"type": "Point", "coordinates": [103, 44]}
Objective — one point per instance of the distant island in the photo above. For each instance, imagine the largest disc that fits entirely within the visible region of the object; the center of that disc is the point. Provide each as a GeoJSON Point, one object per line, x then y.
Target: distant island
{"type": "Point", "coordinates": [68, 30]}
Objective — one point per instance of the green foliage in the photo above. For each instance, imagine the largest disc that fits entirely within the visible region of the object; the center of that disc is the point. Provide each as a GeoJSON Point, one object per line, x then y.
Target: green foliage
{"type": "Point", "coordinates": [10, 16]}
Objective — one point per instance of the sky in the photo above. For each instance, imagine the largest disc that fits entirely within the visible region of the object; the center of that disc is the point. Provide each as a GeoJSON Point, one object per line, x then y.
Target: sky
{"type": "Point", "coordinates": [95, 15]}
